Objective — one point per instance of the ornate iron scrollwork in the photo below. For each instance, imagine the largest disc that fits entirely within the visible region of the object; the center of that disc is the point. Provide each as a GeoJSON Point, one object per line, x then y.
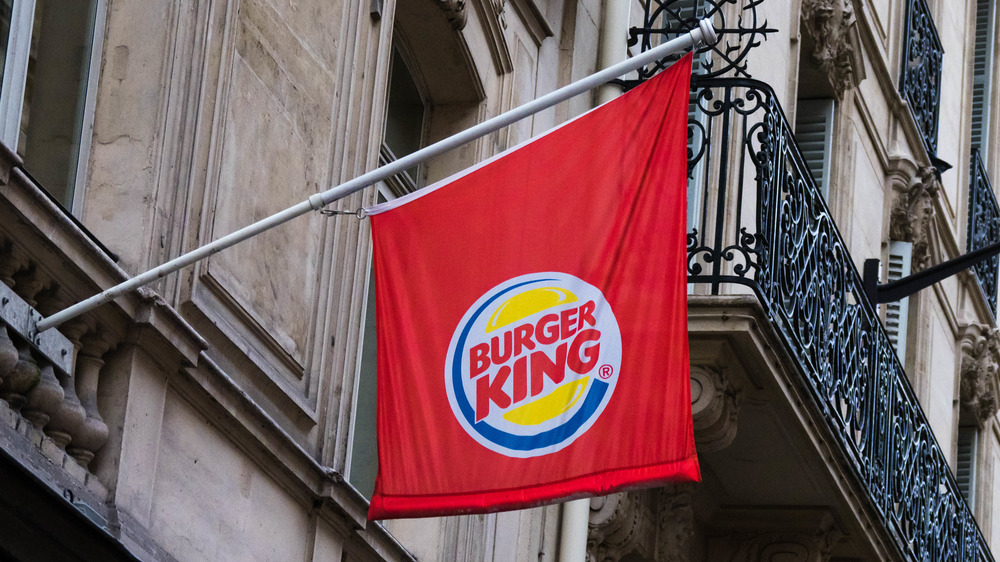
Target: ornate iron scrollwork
{"type": "Point", "coordinates": [920, 82]}
{"type": "Point", "coordinates": [667, 19]}
{"type": "Point", "coordinates": [984, 228]}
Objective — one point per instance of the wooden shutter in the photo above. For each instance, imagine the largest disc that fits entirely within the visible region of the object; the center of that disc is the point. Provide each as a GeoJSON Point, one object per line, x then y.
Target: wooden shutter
{"type": "Point", "coordinates": [896, 312]}
{"type": "Point", "coordinates": [965, 470]}
{"type": "Point", "coordinates": [814, 135]}
{"type": "Point", "coordinates": [981, 70]}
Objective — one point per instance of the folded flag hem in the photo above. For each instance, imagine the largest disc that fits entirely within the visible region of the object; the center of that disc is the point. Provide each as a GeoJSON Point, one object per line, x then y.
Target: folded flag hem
{"type": "Point", "coordinates": [416, 506]}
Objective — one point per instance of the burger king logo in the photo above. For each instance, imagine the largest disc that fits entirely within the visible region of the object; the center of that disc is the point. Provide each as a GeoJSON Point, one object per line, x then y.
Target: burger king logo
{"type": "Point", "coordinates": [533, 363]}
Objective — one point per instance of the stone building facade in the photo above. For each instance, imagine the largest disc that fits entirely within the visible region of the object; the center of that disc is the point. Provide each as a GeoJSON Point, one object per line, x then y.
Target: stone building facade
{"type": "Point", "coordinates": [226, 413]}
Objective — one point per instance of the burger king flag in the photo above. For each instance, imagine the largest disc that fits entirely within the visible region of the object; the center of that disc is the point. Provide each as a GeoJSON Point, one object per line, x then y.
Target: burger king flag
{"type": "Point", "coordinates": [531, 318]}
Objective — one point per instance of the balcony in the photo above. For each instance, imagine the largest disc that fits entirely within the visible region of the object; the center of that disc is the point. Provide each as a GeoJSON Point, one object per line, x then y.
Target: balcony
{"type": "Point", "coordinates": [760, 229]}
{"type": "Point", "coordinates": [765, 226]}
{"type": "Point", "coordinates": [984, 228]}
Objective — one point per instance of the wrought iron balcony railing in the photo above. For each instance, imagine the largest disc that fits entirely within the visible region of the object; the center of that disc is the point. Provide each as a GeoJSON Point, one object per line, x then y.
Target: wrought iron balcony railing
{"type": "Point", "coordinates": [920, 82]}
{"type": "Point", "coordinates": [758, 220]}
{"type": "Point", "coordinates": [764, 224]}
{"type": "Point", "coordinates": [984, 228]}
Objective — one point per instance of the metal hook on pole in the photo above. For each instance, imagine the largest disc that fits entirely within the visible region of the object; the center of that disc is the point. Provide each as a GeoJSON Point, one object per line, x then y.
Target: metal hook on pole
{"type": "Point", "coordinates": [360, 213]}
{"type": "Point", "coordinates": [704, 34]}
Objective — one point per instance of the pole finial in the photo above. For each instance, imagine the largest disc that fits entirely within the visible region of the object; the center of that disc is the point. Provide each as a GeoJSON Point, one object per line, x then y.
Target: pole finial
{"type": "Point", "coordinates": [708, 35]}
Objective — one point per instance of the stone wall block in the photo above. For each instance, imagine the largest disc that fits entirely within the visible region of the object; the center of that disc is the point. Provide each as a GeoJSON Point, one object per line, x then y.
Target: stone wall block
{"type": "Point", "coordinates": [44, 399]}
{"type": "Point", "coordinates": [22, 378]}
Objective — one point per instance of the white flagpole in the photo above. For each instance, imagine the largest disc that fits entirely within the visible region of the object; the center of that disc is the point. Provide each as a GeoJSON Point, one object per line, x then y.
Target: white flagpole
{"type": "Point", "coordinates": [705, 33]}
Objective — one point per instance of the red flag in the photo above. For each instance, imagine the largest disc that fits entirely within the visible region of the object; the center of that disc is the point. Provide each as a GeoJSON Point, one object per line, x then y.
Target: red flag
{"type": "Point", "coordinates": [531, 318]}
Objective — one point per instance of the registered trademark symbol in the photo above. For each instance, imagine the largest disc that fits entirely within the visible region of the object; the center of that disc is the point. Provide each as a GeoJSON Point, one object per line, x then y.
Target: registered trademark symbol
{"type": "Point", "coordinates": [606, 371]}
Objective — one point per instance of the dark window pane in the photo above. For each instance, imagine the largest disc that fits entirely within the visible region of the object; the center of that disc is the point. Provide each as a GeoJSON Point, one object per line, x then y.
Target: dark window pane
{"type": "Point", "coordinates": [55, 93]}
{"type": "Point", "coordinates": [404, 118]}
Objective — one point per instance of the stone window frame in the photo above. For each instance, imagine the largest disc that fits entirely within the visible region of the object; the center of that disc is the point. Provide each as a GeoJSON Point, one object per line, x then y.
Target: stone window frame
{"type": "Point", "coordinates": [464, 86]}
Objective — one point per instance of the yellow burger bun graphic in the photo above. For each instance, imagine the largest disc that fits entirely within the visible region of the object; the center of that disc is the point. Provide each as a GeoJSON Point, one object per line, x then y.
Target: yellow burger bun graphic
{"type": "Point", "coordinates": [527, 303]}
{"type": "Point", "coordinates": [547, 407]}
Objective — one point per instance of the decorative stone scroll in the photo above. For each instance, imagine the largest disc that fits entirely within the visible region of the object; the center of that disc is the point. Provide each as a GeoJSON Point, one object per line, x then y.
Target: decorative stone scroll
{"type": "Point", "coordinates": [912, 218]}
{"type": "Point", "coordinates": [715, 406]}
{"type": "Point", "coordinates": [980, 384]}
{"type": "Point", "coordinates": [455, 11]}
{"type": "Point", "coordinates": [837, 49]}
{"type": "Point", "coordinates": [675, 522]}
{"type": "Point", "coordinates": [620, 524]}
{"type": "Point", "coordinates": [643, 525]}
{"type": "Point", "coordinates": [811, 540]}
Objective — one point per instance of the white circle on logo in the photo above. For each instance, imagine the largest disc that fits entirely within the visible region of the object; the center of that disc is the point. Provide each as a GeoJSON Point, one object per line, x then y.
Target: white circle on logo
{"type": "Point", "coordinates": [533, 363]}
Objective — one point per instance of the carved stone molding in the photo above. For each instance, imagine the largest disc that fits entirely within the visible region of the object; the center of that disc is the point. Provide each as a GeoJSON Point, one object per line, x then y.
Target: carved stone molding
{"type": "Point", "coordinates": [675, 522]}
{"type": "Point", "coordinates": [837, 42]}
{"type": "Point", "coordinates": [620, 524]}
{"type": "Point", "coordinates": [912, 217]}
{"type": "Point", "coordinates": [499, 11]}
{"type": "Point", "coordinates": [715, 406]}
{"type": "Point", "coordinates": [784, 547]}
{"type": "Point", "coordinates": [802, 544]}
{"type": "Point", "coordinates": [494, 23]}
{"type": "Point", "coordinates": [655, 524]}
{"type": "Point", "coordinates": [455, 11]}
{"type": "Point", "coordinates": [980, 346]}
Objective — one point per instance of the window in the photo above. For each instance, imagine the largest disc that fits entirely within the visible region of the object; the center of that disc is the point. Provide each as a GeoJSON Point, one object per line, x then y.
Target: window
{"type": "Point", "coordinates": [49, 71]}
{"type": "Point", "coordinates": [981, 74]}
{"type": "Point", "coordinates": [403, 134]}
{"type": "Point", "coordinates": [814, 134]}
{"type": "Point", "coordinates": [364, 456]}
{"type": "Point", "coordinates": [897, 313]}
{"type": "Point", "coordinates": [404, 124]}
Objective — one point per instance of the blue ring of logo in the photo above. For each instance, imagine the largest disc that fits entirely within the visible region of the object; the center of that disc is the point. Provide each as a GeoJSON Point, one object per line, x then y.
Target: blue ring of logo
{"type": "Point", "coordinates": [509, 440]}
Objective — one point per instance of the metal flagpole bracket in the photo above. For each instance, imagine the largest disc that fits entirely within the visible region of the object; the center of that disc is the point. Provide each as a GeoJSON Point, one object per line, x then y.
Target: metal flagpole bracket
{"type": "Point", "coordinates": [705, 33]}
{"type": "Point", "coordinates": [902, 288]}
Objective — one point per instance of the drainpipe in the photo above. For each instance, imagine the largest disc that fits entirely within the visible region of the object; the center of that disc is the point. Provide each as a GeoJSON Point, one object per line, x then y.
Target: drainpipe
{"type": "Point", "coordinates": [612, 49]}
{"type": "Point", "coordinates": [573, 538]}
